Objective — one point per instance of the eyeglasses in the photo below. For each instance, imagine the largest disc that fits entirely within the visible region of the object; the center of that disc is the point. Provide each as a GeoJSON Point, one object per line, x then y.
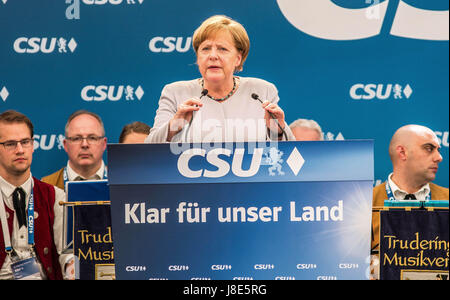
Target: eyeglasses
{"type": "Point", "coordinates": [91, 140]}
{"type": "Point", "coordinates": [12, 145]}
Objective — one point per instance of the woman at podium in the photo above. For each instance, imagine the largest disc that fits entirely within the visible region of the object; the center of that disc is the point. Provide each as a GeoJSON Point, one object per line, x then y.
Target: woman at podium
{"type": "Point", "coordinates": [219, 106]}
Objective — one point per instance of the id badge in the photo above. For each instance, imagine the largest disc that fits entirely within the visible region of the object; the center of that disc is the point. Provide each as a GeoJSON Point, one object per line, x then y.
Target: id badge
{"type": "Point", "coordinates": [26, 269]}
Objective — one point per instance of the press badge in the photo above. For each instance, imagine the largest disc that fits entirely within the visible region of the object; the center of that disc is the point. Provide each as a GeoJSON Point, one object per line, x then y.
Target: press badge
{"type": "Point", "coordinates": [26, 269]}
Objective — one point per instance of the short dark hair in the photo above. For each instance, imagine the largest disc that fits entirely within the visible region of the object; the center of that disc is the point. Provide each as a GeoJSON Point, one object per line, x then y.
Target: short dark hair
{"type": "Point", "coordinates": [137, 127]}
{"type": "Point", "coordinates": [12, 116]}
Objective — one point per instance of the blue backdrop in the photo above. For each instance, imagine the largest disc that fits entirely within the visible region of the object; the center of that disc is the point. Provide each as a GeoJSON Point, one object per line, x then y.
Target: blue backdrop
{"type": "Point", "coordinates": [360, 68]}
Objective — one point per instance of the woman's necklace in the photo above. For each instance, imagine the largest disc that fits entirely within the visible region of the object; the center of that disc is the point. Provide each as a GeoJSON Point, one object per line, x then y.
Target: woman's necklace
{"type": "Point", "coordinates": [227, 96]}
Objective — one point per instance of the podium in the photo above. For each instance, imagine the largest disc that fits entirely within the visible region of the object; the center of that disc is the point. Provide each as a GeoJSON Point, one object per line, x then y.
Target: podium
{"type": "Point", "coordinates": [286, 210]}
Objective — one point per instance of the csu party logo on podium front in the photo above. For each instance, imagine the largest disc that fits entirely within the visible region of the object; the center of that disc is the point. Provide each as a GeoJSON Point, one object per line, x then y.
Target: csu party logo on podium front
{"type": "Point", "coordinates": [272, 157]}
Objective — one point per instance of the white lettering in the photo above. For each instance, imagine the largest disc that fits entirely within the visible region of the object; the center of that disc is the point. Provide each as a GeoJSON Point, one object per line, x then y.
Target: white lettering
{"type": "Point", "coordinates": [222, 166]}
{"type": "Point", "coordinates": [169, 44]}
{"type": "Point", "coordinates": [250, 214]}
{"type": "Point", "coordinates": [319, 213]}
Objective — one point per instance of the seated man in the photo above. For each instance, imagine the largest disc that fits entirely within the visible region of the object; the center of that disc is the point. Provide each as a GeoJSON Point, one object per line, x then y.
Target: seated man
{"type": "Point", "coordinates": [306, 130]}
{"type": "Point", "coordinates": [84, 143]}
{"type": "Point", "coordinates": [414, 152]}
{"type": "Point", "coordinates": [36, 245]}
{"type": "Point", "coordinates": [134, 133]}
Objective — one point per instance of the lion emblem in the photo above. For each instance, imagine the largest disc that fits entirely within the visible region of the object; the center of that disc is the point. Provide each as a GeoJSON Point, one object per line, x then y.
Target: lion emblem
{"type": "Point", "coordinates": [273, 158]}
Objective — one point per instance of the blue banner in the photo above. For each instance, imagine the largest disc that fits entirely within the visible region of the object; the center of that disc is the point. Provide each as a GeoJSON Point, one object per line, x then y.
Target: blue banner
{"type": "Point", "coordinates": [360, 68]}
{"type": "Point", "coordinates": [414, 245]}
{"type": "Point", "coordinates": [81, 191]}
{"type": "Point", "coordinates": [93, 244]}
{"type": "Point", "coordinates": [240, 162]}
{"type": "Point", "coordinates": [89, 226]}
{"type": "Point", "coordinates": [307, 218]}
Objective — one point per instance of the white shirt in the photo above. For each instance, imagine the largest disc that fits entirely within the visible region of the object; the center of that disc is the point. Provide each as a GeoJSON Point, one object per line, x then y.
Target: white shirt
{"type": "Point", "coordinates": [74, 176]}
{"type": "Point", "coordinates": [238, 119]}
{"type": "Point", "coordinates": [400, 194]}
{"type": "Point", "coordinates": [19, 238]}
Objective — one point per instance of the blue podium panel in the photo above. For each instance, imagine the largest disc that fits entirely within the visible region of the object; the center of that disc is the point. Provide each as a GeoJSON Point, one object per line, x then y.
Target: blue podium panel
{"type": "Point", "coordinates": [269, 216]}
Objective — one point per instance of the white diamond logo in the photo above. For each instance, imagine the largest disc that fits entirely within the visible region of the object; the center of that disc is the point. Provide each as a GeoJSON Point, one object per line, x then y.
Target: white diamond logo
{"type": "Point", "coordinates": [140, 1]}
{"type": "Point", "coordinates": [72, 44]}
{"type": "Point", "coordinates": [295, 161]}
{"type": "Point", "coordinates": [4, 1]}
{"type": "Point", "coordinates": [139, 92]}
{"type": "Point", "coordinates": [4, 94]}
{"type": "Point", "coordinates": [407, 91]}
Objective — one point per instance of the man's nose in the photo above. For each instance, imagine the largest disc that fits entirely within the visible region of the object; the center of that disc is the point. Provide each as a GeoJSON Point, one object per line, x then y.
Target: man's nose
{"type": "Point", "coordinates": [84, 143]}
{"type": "Point", "coordinates": [19, 148]}
{"type": "Point", "coordinates": [438, 157]}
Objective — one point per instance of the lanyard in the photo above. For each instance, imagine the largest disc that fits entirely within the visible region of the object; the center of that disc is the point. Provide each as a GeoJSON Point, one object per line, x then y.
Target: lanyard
{"type": "Point", "coordinates": [391, 195]}
{"type": "Point", "coordinates": [30, 225]}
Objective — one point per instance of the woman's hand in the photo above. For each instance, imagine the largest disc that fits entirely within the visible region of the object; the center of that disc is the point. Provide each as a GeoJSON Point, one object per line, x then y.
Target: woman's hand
{"type": "Point", "coordinates": [277, 112]}
{"type": "Point", "coordinates": [182, 116]}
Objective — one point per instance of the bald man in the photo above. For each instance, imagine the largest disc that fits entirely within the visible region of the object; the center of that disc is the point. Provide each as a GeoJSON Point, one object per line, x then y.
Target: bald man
{"type": "Point", "coordinates": [415, 156]}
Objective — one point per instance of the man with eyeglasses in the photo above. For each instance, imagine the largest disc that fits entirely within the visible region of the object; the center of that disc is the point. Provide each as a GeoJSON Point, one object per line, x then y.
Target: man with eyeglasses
{"type": "Point", "coordinates": [30, 214]}
{"type": "Point", "coordinates": [85, 143]}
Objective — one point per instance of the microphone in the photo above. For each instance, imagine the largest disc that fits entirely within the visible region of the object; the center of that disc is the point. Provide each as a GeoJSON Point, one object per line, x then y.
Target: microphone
{"type": "Point", "coordinates": [256, 97]}
{"type": "Point", "coordinates": [203, 93]}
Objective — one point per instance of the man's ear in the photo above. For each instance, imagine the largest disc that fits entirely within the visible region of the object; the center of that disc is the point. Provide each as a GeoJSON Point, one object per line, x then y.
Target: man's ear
{"type": "Point", "coordinates": [65, 145]}
{"type": "Point", "coordinates": [401, 152]}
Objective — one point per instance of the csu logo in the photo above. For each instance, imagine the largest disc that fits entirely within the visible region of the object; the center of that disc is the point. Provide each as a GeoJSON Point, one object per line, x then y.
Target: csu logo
{"type": "Point", "coordinates": [44, 45]}
{"type": "Point", "coordinates": [326, 20]}
{"type": "Point", "coordinates": [380, 91]}
{"type": "Point", "coordinates": [113, 2]}
{"type": "Point", "coordinates": [48, 141]}
{"type": "Point", "coordinates": [272, 159]}
{"type": "Point", "coordinates": [442, 137]}
{"type": "Point", "coordinates": [4, 93]}
{"type": "Point", "coordinates": [73, 8]}
{"type": "Point", "coordinates": [223, 167]}
{"type": "Point", "coordinates": [111, 92]}
{"type": "Point", "coordinates": [135, 268]}
{"type": "Point", "coordinates": [169, 44]}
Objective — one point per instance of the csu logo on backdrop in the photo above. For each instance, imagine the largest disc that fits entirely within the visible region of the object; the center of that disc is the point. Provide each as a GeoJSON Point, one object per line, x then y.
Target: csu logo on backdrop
{"type": "Point", "coordinates": [73, 8]}
{"type": "Point", "coordinates": [331, 136]}
{"type": "Point", "coordinates": [327, 19]}
{"type": "Point", "coordinates": [48, 141]}
{"type": "Point", "coordinates": [111, 92]}
{"type": "Point", "coordinates": [380, 91]}
{"type": "Point", "coordinates": [270, 157]}
{"type": "Point", "coordinates": [442, 138]}
{"type": "Point", "coordinates": [44, 45]}
{"type": "Point", "coordinates": [4, 93]}
{"type": "Point", "coordinates": [170, 44]}
{"type": "Point", "coordinates": [113, 2]}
